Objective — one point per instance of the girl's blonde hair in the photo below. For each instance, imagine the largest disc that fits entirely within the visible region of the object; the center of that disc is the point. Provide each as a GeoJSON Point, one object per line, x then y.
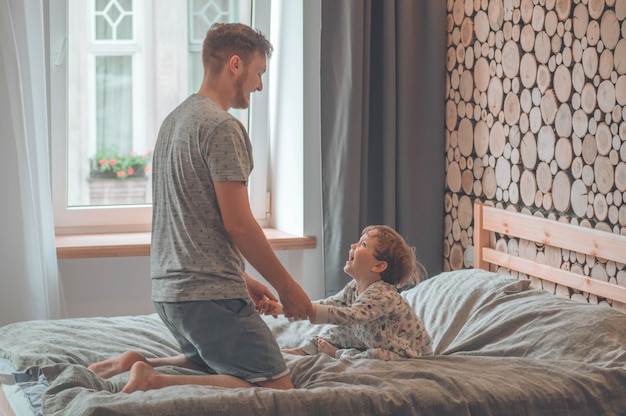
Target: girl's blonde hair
{"type": "Point", "coordinates": [403, 269]}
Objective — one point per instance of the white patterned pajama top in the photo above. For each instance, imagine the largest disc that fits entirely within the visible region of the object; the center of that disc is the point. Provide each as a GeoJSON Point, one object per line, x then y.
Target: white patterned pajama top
{"type": "Point", "coordinates": [377, 323]}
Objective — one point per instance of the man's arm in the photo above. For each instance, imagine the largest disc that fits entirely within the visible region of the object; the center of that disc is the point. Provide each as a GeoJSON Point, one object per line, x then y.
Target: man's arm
{"type": "Point", "coordinates": [244, 230]}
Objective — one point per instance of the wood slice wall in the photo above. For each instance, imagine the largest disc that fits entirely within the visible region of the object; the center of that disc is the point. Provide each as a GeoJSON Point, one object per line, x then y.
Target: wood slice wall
{"type": "Point", "coordinates": [536, 122]}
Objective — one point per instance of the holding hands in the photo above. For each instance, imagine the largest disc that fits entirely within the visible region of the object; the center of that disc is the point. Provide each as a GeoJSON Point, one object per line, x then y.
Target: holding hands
{"type": "Point", "coordinates": [267, 303]}
{"type": "Point", "coordinates": [269, 307]}
{"type": "Point", "coordinates": [272, 307]}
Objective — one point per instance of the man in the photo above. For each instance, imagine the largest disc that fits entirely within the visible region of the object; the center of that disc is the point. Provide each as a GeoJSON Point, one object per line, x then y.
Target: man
{"type": "Point", "coordinates": [203, 228]}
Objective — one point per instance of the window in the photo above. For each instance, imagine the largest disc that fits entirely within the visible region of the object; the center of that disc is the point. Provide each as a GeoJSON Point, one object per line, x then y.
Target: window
{"type": "Point", "coordinates": [118, 68]}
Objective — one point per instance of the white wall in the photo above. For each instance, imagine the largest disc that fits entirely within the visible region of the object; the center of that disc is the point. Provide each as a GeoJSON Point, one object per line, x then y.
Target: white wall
{"type": "Point", "coordinates": [106, 286]}
{"type": "Point", "coordinates": [121, 286]}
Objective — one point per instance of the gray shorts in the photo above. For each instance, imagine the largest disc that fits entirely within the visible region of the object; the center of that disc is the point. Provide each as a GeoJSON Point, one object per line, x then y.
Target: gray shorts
{"type": "Point", "coordinates": [226, 337]}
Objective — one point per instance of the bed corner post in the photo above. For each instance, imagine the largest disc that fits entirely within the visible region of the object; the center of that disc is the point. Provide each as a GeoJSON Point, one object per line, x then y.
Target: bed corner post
{"type": "Point", "coordinates": [481, 237]}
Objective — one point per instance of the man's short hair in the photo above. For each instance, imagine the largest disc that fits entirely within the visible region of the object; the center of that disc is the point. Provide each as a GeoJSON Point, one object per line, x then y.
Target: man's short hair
{"type": "Point", "coordinates": [223, 40]}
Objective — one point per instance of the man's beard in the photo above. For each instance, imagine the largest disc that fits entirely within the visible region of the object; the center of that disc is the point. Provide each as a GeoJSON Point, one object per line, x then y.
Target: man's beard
{"type": "Point", "coordinates": [241, 101]}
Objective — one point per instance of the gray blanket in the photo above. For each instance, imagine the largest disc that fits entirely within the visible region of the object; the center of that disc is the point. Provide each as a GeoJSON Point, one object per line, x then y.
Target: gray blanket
{"type": "Point", "coordinates": [501, 349]}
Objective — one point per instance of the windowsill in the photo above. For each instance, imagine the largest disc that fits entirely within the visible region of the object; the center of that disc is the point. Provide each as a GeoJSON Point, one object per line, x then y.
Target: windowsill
{"type": "Point", "coordinates": [131, 244]}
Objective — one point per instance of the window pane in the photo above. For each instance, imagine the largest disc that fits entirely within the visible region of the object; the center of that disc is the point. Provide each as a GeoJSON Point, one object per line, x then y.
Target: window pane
{"type": "Point", "coordinates": [101, 4]}
{"type": "Point", "coordinates": [125, 28]}
{"type": "Point", "coordinates": [104, 31]}
{"type": "Point", "coordinates": [107, 159]}
{"type": "Point", "coordinates": [195, 71]}
{"type": "Point", "coordinates": [114, 102]}
{"type": "Point", "coordinates": [126, 4]}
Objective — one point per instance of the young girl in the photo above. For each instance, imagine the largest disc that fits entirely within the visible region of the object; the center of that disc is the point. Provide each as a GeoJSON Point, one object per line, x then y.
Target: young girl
{"type": "Point", "coordinates": [372, 319]}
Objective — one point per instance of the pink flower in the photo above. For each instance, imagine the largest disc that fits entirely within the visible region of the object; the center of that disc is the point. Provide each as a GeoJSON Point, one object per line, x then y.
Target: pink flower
{"type": "Point", "coordinates": [120, 173]}
{"type": "Point", "coordinates": [130, 171]}
{"type": "Point", "coordinates": [102, 162]}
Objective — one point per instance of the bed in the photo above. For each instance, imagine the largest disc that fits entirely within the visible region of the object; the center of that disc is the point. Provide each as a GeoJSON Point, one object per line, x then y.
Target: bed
{"type": "Point", "coordinates": [503, 346]}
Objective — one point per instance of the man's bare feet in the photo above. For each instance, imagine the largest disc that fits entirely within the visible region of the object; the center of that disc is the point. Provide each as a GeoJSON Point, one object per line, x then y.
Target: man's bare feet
{"type": "Point", "coordinates": [142, 377]}
{"type": "Point", "coordinates": [116, 365]}
{"type": "Point", "coordinates": [294, 351]}
{"type": "Point", "coordinates": [326, 347]}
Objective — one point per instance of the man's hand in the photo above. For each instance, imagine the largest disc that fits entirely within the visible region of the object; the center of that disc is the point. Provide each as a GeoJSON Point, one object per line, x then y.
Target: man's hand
{"type": "Point", "coordinates": [296, 303]}
{"type": "Point", "coordinates": [258, 291]}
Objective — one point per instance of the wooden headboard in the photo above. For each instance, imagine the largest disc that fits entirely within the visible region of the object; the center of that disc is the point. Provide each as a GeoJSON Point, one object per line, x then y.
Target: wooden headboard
{"type": "Point", "coordinates": [600, 244]}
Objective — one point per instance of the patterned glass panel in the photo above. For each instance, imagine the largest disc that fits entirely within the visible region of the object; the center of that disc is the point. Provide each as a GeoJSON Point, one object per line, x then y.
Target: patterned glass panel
{"type": "Point", "coordinates": [206, 12]}
{"type": "Point", "coordinates": [113, 20]}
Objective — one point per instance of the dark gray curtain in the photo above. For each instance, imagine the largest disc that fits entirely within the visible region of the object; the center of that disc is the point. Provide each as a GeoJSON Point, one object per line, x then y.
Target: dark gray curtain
{"type": "Point", "coordinates": [383, 135]}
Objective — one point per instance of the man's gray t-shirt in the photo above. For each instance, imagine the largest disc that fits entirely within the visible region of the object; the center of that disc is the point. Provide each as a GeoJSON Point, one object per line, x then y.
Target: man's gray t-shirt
{"type": "Point", "coordinates": [192, 256]}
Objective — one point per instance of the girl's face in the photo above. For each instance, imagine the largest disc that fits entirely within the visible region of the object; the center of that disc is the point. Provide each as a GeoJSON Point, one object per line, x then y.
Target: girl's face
{"type": "Point", "coordinates": [361, 260]}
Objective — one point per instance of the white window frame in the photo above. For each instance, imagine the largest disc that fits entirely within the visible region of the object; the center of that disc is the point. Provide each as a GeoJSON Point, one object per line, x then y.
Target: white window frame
{"type": "Point", "coordinates": [258, 127]}
{"type": "Point", "coordinates": [136, 218]}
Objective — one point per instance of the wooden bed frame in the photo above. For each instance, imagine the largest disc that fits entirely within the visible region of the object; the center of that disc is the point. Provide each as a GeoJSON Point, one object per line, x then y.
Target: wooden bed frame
{"type": "Point", "coordinates": [578, 239]}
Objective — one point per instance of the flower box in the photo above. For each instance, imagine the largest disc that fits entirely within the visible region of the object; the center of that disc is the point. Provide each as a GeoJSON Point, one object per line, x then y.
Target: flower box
{"type": "Point", "coordinates": [117, 178]}
{"type": "Point", "coordinates": [138, 171]}
{"type": "Point", "coordinates": [110, 191]}
{"type": "Point", "coordinates": [112, 164]}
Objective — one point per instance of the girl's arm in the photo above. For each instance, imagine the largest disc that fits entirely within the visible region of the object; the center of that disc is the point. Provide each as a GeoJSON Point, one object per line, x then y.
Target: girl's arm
{"type": "Point", "coordinates": [372, 304]}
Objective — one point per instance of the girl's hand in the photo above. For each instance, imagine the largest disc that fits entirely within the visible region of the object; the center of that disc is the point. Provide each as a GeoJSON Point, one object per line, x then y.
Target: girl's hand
{"type": "Point", "coordinates": [269, 307]}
